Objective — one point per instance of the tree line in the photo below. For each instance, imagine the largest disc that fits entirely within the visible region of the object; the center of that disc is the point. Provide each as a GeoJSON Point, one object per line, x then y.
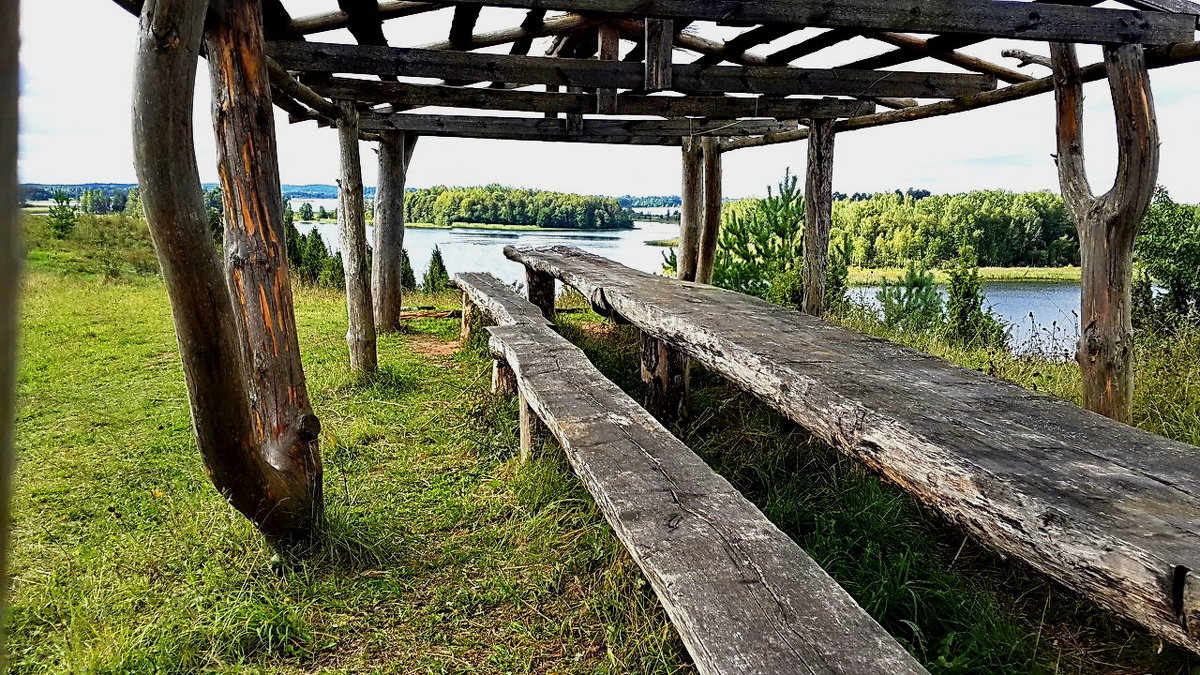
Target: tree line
{"type": "Point", "coordinates": [498, 205]}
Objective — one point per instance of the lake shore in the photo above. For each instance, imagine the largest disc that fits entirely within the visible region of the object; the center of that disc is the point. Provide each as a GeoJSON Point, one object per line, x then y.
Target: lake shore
{"type": "Point", "coordinates": [860, 276]}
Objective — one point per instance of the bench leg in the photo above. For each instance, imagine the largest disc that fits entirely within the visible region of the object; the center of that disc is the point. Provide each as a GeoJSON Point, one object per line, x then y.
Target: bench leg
{"type": "Point", "coordinates": [533, 430]}
{"type": "Point", "coordinates": [504, 380]}
{"type": "Point", "coordinates": [470, 320]}
{"type": "Point", "coordinates": [666, 373]}
{"type": "Point", "coordinates": [540, 287]}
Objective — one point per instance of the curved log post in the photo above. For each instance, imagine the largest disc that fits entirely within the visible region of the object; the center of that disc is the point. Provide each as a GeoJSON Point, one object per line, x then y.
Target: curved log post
{"type": "Point", "coordinates": [11, 254]}
{"type": "Point", "coordinates": [710, 231]}
{"type": "Point", "coordinates": [818, 214]}
{"type": "Point", "coordinates": [395, 152]}
{"type": "Point", "coordinates": [1107, 224]}
{"type": "Point", "coordinates": [274, 478]}
{"type": "Point", "coordinates": [691, 211]}
{"type": "Point", "coordinates": [360, 331]}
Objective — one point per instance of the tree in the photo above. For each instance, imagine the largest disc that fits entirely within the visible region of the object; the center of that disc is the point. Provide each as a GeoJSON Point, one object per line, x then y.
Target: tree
{"type": "Point", "coordinates": [306, 212]}
{"type": "Point", "coordinates": [437, 279]}
{"type": "Point", "coordinates": [967, 322]}
{"type": "Point", "coordinates": [322, 214]}
{"type": "Point", "coordinates": [408, 279]}
{"type": "Point", "coordinates": [913, 303]}
{"type": "Point", "coordinates": [1168, 250]}
{"type": "Point", "coordinates": [215, 208]}
{"type": "Point", "coordinates": [133, 203]}
{"type": "Point", "coordinates": [761, 240]}
{"type": "Point", "coordinates": [62, 216]}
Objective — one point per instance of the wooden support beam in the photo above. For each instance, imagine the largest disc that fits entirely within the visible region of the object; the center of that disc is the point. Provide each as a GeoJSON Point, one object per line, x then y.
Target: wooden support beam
{"type": "Point", "coordinates": [691, 213]}
{"type": "Point", "coordinates": [1157, 57]}
{"type": "Point", "coordinates": [474, 67]}
{"type": "Point", "coordinates": [552, 102]}
{"type": "Point", "coordinates": [504, 381]}
{"type": "Point", "coordinates": [666, 374]}
{"type": "Point", "coordinates": [327, 21]}
{"type": "Point", "coordinates": [609, 50]}
{"type": "Point", "coordinates": [526, 32]}
{"type": "Point", "coordinates": [534, 22]}
{"type": "Point", "coordinates": [11, 257]}
{"type": "Point", "coordinates": [710, 229]}
{"type": "Point", "coordinates": [540, 290]}
{"type": "Point", "coordinates": [818, 214]}
{"type": "Point", "coordinates": [747, 40]}
{"type": "Point", "coordinates": [809, 46]}
{"type": "Point", "coordinates": [360, 332]}
{"type": "Point", "coordinates": [966, 61]}
{"type": "Point", "coordinates": [658, 45]}
{"type": "Point", "coordinates": [462, 27]}
{"type": "Point", "coordinates": [395, 153]}
{"type": "Point", "coordinates": [263, 459]}
{"type": "Point", "coordinates": [537, 128]}
{"type": "Point", "coordinates": [993, 18]}
{"type": "Point", "coordinates": [1107, 224]}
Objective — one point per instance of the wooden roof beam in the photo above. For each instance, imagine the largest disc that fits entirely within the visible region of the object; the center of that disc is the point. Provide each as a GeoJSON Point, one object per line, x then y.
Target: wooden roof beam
{"type": "Point", "coordinates": [539, 128]}
{"type": "Point", "coordinates": [809, 46]}
{"type": "Point", "coordinates": [327, 21]}
{"type": "Point", "coordinates": [991, 18]}
{"type": "Point", "coordinates": [1157, 57]}
{"type": "Point", "coordinates": [469, 66]}
{"type": "Point", "coordinates": [402, 94]}
{"type": "Point", "coordinates": [555, 26]}
{"type": "Point", "coordinates": [965, 61]}
{"type": "Point", "coordinates": [747, 40]}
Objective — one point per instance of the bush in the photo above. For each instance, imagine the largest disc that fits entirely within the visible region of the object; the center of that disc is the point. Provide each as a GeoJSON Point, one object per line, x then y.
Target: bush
{"type": "Point", "coordinates": [761, 240]}
{"type": "Point", "coordinates": [967, 322]}
{"type": "Point", "coordinates": [913, 303]}
{"type": "Point", "coordinates": [837, 281]}
{"type": "Point", "coordinates": [62, 217]}
{"type": "Point", "coordinates": [408, 279]}
{"type": "Point", "coordinates": [787, 289]}
{"type": "Point", "coordinates": [436, 279]}
{"type": "Point", "coordinates": [1168, 251]}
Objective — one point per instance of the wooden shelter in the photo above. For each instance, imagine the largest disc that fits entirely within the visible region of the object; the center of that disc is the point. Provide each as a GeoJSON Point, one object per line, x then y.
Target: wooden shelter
{"type": "Point", "coordinates": [614, 71]}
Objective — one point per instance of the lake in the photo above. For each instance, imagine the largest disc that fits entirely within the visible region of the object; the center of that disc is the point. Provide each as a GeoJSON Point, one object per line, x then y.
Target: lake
{"type": "Point", "coordinates": [1042, 315]}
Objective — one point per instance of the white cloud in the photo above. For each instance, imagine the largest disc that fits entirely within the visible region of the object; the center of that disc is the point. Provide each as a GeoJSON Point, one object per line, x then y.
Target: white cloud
{"type": "Point", "coordinates": [77, 64]}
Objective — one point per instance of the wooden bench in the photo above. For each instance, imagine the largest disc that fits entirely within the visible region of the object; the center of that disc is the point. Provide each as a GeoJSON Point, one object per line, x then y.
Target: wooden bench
{"type": "Point", "coordinates": [743, 596]}
{"type": "Point", "coordinates": [1106, 509]}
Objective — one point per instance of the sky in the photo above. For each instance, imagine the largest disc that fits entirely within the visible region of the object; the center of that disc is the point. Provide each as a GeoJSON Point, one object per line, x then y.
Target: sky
{"type": "Point", "coordinates": [77, 71]}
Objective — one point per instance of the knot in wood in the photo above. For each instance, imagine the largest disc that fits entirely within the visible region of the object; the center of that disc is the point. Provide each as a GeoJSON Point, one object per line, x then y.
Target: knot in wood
{"type": "Point", "coordinates": [309, 427]}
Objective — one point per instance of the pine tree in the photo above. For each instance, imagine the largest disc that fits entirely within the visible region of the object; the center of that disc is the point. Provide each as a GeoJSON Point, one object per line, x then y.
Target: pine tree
{"type": "Point", "coordinates": [306, 212]}
{"type": "Point", "coordinates": [408, 279]}
{"type": "Point", "coordinates": [62, 216]}
{"type": "Point", "coordinates": [437, 279]}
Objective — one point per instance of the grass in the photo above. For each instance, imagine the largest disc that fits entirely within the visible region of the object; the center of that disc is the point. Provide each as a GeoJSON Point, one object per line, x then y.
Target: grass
{"type": "Point", "coordinates": [443, 555]}
{"type": "Point", "coordinates": [860, 276]}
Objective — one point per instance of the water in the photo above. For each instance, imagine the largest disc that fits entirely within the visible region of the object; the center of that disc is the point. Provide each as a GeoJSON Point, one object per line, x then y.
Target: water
{"type": "Point", "coordinates": [1043, 316]}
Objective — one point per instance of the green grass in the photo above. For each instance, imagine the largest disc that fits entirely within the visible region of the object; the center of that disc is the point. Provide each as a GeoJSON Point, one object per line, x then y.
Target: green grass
{"type": "Point", "coordinates": [443, 555]}
{"type": "Point", "coordinates": [860, 276]}
{"type": "Point", "coordinates": [956, 607]}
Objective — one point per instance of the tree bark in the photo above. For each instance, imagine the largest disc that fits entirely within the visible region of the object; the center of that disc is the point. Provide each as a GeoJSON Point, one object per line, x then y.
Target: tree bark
{"type": "Point", "coordinates": [11, 253]}
{"type": "Point", "coordinates": [395, 152]}
{"type": "Point", "coordinates": [692, 210]}
{"type": "Point", "coordinates": [262, 457]}
{"type": "Point", "coordinates": [711, 228]}
{"type": "Point", "coordinates": [818, 214]}
{"type": "Point", "coordinates": [360, 331]}
{"type": "Point", "coordinates": [1107, 224]}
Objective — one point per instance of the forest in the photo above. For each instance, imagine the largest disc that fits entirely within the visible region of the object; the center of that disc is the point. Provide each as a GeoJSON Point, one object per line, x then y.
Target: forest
{"type": "Point", "coordinates": [498, 205]}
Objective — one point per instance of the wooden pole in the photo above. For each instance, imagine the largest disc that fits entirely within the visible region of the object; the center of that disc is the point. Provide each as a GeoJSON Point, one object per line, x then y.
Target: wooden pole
{"type": "Point", "coordinates": [11, 253]}
{"type": "Point", "coordinates": [710, 230]}
{"type": "Point", "coordinates": [818, 214]}
{"type": "Point", "coordinates": [659, 36]}
{"type": "Point", "coordinates": [1107, 224]}
{"type": "Point", "coordinates": [540, 291]}
{"type": "Point", "coordinates": [395, 152]}
{"type": "Point", "coordinates": [282, 495]}
{"type": "Point", "coordinates": [609, 50]}
{"type": "Point", "coordinates": [692, 210]}
{"type": "Point", "coordinates": [360, 331]}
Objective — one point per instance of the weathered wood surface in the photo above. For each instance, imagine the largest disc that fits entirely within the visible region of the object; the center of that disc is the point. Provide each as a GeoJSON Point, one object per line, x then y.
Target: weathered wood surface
{"type": "Point", "coordinates": [11, 257]}
{"type": "Point", "coordinates": [691, 211]}
{"type": "Point", "coordinates": [326, 21]}
{"type": "Point", "coordinates": [710, 221]}
{"type": "Point", "coordinates": [658, 47]}
{"type": "Point", "coordinates": [1107, 224]}
{"type": "Point", "coordinates": [666, 374]}
{"type": "Point", "coordinates": [743, 596]}
{"type": "Point", "coordinates": [716, 107]}
{"type": "Point", "coordinates": [361, 338]}
{"type": "Point", "coordinates": [818, 214]}
{"type": "Point", "coordinates": [395, 152]}
{"type": "Point", "coordinates": [498, 300]}
{"type": "Point", "coordinates": [262, 459]}
{"type": "Point", "coordinates": [321, 57]}
{"type": "Point", "coordinates": [481, 126]}
{"type": "Point", "coordinates": [1108, 510]}
{"type": "Point", "coordinates": [994, 18]}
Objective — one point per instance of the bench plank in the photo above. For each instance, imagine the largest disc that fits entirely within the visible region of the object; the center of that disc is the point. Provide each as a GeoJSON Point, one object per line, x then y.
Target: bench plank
{"type": "Point", "coordinates": [1111, 511]}
{"type": "Point", "coordinates": [498, 300]}
{"type": "Point", "coordinates": [743, 596]}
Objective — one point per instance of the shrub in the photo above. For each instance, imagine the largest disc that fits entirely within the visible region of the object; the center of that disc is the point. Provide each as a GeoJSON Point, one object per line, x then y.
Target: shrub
{"type": "Point", "coordinates": [761, 240]}
{"type": "Point", "coordinates": [436, 279]}
{"type": "Point", "coordinates": [408, 279]}
{"type": "Point", "coordinates": [967, 322]}
{"type": "Point", "coordinates": [1168, 251]}
{"type": "Point", "coordinates": [837, 281]}
{"type": "Point", "coordinates": [62, 217]}
{"type": "Point", "coordinates": [913, 303]}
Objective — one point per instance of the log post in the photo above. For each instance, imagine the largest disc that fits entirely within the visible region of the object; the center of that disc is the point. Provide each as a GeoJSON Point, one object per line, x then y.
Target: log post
{"type": "Point", "coordinates": [360, 332]}
{"type": "Point", "coordinates": [540, 291]}
{"type": "Point", "coordinates": [659, 44]}
{"type": "Point", "coordinates": [666, 374]}
{"type": "Point", "coordinates": [470, 319]}
{"type": "Point", "coordinates": [532, 430]}
{"type": "Point", "coordinates": [504, 380]}
{"type": "Point", "coordinates": [395, 152]}
{"type": "Point", "coordinates": [254, 426]}
{"type": "Point", "coordinates": [818, 214]}
{"type": "Point", "coordinates": [691, 210]}
{"type": "Point", "coordinates": [1107, 224]}
{"type": "Point", "coordinates": [710, 230]}
{"type": "Point", "coordinates": [609, 50]}
{"type": "Point", "coordinates": [11, 254]}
